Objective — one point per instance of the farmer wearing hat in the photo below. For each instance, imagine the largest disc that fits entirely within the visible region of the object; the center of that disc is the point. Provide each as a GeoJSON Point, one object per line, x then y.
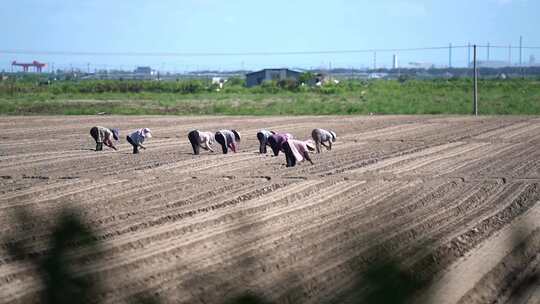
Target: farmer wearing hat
{"type": "Point", "coordinates": [263, 136]}
{"type": "Point", "coordinates": [228, 139]}
{"type": "Point", "coordinates": [320, 136]}
{"type": "Point", "coordinates": [137, 138]}
{"type": "Point", "coordinates": [297, 151]}
{"type": "Point", "coordinates": [103, 135]}
{"type": "Point", "coordinates": [199, 139]}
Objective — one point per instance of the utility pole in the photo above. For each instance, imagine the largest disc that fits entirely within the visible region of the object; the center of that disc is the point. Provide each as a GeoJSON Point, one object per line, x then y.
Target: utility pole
{"type": "Point", "coordinates": [510, 55]}
{"type": "Point", "coordinates": [475, 81]}
{"type": "Point", "coordinates": [450, 55]}
{"type": "Point", "coordinates": [520, 50]}
{"type": "Point", "coordinates": [374, 60]}
{"type": "Point", "coordinates": [488, 51]}
{"type": "Point", "coordinates": [330, 69]}
{"type": "Point", "coordinates": [521, 56]}
{"type": "Point", "coordinates": [469, 54]}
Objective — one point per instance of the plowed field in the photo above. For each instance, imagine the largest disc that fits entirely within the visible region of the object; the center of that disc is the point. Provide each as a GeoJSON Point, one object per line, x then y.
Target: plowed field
{"type": "Point", "coordinates": [455, 199]}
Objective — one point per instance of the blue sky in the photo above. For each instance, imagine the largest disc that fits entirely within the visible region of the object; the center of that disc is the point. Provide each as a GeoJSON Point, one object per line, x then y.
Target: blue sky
{"type": "Point", "coordinates": [211, 26]}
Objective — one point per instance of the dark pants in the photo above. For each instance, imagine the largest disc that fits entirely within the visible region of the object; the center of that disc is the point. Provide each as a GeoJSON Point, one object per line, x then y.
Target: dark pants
{"type": "Point", "coordinates": [135, 146]}
{"type": "Point", "coordinates": [274, 145]}
{"type": "Point", "coordinates": [193, 137]}
{"type": "Point", "coordinates": [262, 143]}
{"type": "Point", "coordinates": [220, 138]}
{"type": "Point", "coordinates": [317, 137]}
{"type": "Point", "coordinates": [94, 133]}
{"type": "Point", "coordinates": [289, 156]}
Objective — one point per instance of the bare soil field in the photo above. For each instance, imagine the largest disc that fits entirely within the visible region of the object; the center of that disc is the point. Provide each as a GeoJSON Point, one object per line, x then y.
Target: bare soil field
{"type": "Point", "coordinates": [455, 199]}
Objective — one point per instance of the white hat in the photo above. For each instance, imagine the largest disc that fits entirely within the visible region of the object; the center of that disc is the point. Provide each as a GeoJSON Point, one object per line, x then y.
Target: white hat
{"type": "Point", "coordinates": [147, 133]}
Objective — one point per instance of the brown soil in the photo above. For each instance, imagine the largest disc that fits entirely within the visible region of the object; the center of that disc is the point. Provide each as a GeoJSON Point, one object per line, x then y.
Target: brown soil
{"type": "Point", "coordinates": [433, 192]}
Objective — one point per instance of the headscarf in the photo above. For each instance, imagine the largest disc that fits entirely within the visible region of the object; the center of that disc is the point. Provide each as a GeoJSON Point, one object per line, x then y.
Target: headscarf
{"type": "Point", "coordinates": [116, 133]}
{"type": "Point", "coordinates": [146, 133]}
{"type": "Point", "coordinates": [333, 135]}
{"type": "Point", "coordinates": [236, 135]}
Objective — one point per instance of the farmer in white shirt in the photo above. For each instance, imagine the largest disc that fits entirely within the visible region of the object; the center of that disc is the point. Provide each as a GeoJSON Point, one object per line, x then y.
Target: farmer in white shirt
{"type": "Point", "coordinates": [199, 139]}
{"type": "Point", "coordinates": [321, 136]}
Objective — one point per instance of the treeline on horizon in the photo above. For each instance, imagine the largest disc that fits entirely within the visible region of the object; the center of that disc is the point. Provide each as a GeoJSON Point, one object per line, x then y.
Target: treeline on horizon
{"type": "Point", "coordinates": [404, 95]}
{"type": "Point", "coordinates": [35, 84]}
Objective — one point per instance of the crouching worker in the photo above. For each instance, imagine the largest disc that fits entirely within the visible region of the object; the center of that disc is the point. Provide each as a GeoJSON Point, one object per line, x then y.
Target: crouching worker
{"type": "Point", "coordinates": [263, 136]}
{"type": "Point", "coordinates": [104, 135]}
{"type": "Point", "coordinates": [228, 139]}
{"type": "Point", "coordinates": [321, 136]}
{"type": "Point", "coordinates": [200, 139]}
{"type": "Point", "coordinates": [297, 151]}
{"type": "Point", "coordinates": [137, 138]}
{"type": "Point", "coordinates": [276, 142]}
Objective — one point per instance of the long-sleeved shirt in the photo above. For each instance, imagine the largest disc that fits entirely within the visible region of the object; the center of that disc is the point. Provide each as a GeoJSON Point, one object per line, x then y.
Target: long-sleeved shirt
{"type": "Point", "coordinates": [103, 134]}
{"type": "Point", "coordinates": [323, 135]}
{"type": "Point", "coordinates": [206, 139]}
{"type": "Point", "coordinates": [230, 139]}
{"type": "Point", "coordinates": [277, 140]}
{"type": "Point", "coordinates": [299, 149]}
{"type": "Point", "coordinates": [138, 137]}
{"type": "Point", "coordinates": [266, 134]}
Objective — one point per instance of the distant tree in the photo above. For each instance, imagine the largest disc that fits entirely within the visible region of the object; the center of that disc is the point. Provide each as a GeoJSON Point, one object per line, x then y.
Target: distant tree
{"type": "Point", "coordinates": [236, 81]}
{"type": "Point", "coordinates": [306, 77]}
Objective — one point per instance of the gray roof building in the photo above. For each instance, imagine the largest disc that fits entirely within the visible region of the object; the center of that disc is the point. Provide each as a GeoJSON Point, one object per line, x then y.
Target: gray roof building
{"type": "Point", "coordinates": [257, 78]}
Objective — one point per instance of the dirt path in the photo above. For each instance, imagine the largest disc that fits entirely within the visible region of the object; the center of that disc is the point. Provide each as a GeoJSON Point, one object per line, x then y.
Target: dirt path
{"type": "Point", "coordinates": [437, 193]}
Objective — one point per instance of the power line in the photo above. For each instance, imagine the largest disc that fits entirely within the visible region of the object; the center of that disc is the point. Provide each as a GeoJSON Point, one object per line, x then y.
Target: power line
{"type": "Point", "coordinates": [508, 47]}
{"type": "Point", "coordinates": [219, 54]}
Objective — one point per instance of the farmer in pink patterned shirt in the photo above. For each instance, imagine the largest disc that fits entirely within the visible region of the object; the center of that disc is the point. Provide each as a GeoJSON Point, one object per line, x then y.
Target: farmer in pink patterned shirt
{"type": "Point", "coordinates": [297, 151]}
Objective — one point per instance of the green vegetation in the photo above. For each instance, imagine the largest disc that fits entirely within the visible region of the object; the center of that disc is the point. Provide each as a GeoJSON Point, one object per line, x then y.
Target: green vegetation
{"type": "Point", "coordinates": [191, 97]}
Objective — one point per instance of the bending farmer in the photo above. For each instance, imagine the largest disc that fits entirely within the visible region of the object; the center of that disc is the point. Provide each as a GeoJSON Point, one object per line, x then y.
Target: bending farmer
{"type": "Point", "coordinates": [199, 139]}
{"type": "Point", "coordinates": [228, 139]}
{"type": "Point", "coordinates": [104, 135]}
{"type": "Point", "coordinates": [137, 138]}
